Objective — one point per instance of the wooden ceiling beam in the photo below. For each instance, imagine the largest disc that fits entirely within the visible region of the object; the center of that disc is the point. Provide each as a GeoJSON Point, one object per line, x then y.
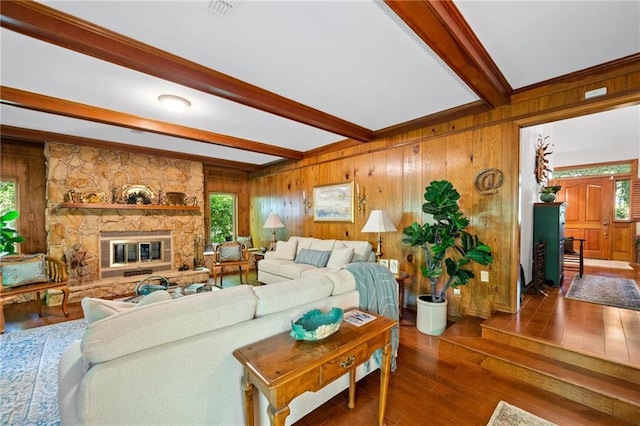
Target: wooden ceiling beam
{"type": "Point", "coordinates": [442, 27]}
{"type": "Point", "coordinates": [48, 104]}
{"type": "Point", "coordinates": [42, 136]}
{"type": "Point", "coordinates": [50, 25]}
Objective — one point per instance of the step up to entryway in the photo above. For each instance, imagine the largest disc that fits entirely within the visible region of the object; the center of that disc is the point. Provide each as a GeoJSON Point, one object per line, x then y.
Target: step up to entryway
{"type": "Point", "coordinates": [604, 386]}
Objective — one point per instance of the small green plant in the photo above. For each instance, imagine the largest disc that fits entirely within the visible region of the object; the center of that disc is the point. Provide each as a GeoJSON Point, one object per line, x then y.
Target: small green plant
{"type": "Point", "coordinates": [550, 189]}
{"type": "Point", "coordinates": [445, 242]}
{"type": "Point", "coordinates": [8, 236]}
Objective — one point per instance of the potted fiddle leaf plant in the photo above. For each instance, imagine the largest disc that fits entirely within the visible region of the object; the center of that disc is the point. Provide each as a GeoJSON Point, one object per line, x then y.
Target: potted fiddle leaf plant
{"type": "Point", "coordinates": [8, 236]}
{"type": "Point", "coordinates": [448, 250]}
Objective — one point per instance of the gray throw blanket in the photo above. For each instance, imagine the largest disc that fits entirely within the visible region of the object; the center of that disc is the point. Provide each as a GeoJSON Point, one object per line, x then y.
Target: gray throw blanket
{"type": "Point", "coordinates": [378, 294]}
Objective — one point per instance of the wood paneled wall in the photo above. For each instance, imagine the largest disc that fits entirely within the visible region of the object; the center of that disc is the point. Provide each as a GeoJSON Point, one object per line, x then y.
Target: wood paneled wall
{"type": "Point", "coordinates": [393, 172]}
{"type": "Point", "coordinates": [25, 162]}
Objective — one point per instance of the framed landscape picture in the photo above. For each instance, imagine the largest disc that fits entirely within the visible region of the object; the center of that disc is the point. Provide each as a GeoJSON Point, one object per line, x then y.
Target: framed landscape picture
{"type": "Point", "coordinates": [333, 203]}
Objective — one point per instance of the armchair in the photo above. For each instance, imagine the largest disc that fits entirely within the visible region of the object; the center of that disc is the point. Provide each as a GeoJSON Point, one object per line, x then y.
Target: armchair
{"type": "Point", "coordinates": [230, 253]}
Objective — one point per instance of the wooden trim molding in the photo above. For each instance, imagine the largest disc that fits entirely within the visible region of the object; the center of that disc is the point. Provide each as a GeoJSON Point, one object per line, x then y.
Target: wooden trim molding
{"type": "Point", "coordinates": [441, 26]}
{"type": "Point", "coordinates": [37, 102]}
{"type": "Point", "coordinates": [38, 135]}
{"type": "Point", "coordinates": [50, 25]}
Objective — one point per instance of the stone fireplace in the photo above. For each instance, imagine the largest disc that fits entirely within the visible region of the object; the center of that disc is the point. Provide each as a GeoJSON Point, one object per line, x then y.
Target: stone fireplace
{"type": "Point", "coordinates": [121, 240]}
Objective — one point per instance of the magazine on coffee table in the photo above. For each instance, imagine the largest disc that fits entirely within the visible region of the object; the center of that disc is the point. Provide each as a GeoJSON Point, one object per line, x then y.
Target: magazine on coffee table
{"type": "Point", "coordinates": [358, 318]}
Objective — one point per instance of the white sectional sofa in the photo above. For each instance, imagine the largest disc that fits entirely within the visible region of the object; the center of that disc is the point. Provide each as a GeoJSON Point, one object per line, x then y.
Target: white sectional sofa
{"type": "Point", "coordinates": [302, 256]}
{"type": "Point", "coordinates": [171, 362]}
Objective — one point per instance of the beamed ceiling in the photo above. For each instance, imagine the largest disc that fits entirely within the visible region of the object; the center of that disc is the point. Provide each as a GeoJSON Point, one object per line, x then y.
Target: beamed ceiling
{"type": "Point", "coordinates": [277, 80]}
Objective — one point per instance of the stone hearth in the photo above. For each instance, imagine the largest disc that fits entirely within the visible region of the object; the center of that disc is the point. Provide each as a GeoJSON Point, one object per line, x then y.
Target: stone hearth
{"type": "Point", "coordinates": [120, 287]}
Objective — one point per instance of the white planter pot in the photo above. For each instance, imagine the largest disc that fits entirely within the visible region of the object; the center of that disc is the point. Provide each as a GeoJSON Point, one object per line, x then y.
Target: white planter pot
{"type": "Point", "coordinates": [431, 317]}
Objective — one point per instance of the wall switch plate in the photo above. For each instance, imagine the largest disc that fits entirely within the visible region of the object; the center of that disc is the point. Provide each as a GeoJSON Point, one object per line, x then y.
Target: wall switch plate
{"type": "Point", "coordinates": [484, 276]}
{"type": "Point", "coordinates": [456, 291]}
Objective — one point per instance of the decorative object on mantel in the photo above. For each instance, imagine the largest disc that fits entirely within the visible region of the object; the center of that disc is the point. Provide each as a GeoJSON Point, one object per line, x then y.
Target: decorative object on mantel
{"type": "Point", "coordinates": [542, 164]}
{"type": "Point", "coordinates": [175, 199]}
{"type": "Point", "coordinates": [548, 193]}
{"type": "Point", "coordinates": [71, 196]}
{"type": "Point", "coordinates": [137, 194]}
{"type": "Point", "coordinates": [93, 197]}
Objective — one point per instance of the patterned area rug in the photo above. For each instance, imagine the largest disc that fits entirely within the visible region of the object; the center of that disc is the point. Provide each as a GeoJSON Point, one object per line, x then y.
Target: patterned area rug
{"type": "Point", "coordinates": [616, 292]}
{"type": "Point", "coordinates": [508, 415]}
{"type": "Point", "coordinates": [29, 372]}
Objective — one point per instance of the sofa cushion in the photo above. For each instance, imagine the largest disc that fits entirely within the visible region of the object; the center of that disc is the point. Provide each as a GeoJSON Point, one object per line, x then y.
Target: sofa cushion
{"type": "Point", "coordinates": [286, 250]}
{"type": "Point", "coordinates": [362, 250]}
{"type": "Point", "coordinates": [280, 296]}
{"type": "Point", "coordinates": [303, 242]}
{"type": "Point", "coordinates": [168, 321]}
{"type": "Point", "coordinates": [318, 244]}
{"type": "Point", "coordinates": [247, 241]}
{"type": "Point", "coordinates": [343, 281]}
{"type": "Point", "coordinates": [339, 257]}
{"type": "Point", "coordinates": [97, 309]}
{"type": "Point", "coordinates": [317, 258]}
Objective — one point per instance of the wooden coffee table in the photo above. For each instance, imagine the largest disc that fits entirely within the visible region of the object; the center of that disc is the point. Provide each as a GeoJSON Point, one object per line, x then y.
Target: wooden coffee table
{"type": "Point", "coordinates": [283, 368]}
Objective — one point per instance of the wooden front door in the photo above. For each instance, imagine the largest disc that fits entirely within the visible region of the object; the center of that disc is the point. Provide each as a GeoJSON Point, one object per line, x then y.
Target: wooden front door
{"type": "Point", "coordinates": [589, 213]}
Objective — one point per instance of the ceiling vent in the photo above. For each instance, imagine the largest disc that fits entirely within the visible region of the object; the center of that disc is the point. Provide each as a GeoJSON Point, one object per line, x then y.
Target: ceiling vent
{"type": "Point", "coordinates": [223, 8]}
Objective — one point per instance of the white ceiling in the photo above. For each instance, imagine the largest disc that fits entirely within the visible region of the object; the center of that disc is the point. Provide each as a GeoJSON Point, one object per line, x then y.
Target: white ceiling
{"type": "Point", "coordinates": [354, 60]}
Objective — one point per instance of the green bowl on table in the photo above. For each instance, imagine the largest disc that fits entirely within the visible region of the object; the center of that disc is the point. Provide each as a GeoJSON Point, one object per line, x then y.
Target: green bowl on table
{"type": "Point", "coordinates": [317, 325]}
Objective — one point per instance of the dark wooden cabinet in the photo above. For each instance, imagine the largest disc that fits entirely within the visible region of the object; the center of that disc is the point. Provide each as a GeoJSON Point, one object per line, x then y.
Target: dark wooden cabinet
{"type": "Point", "coordinates": [548, 226]}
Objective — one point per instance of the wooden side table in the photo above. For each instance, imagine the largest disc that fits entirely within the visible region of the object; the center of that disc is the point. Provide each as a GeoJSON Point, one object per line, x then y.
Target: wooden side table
{"type": "Point", "coordinates": [403, 279]}
{"type": "Point", "coordinates": [283, 368]}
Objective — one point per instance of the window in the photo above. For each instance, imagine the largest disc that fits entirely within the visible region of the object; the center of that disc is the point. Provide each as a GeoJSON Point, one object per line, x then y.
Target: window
{"type": "Point", "coordinates": [597, 170]}
{"type": "Point", "coordinates": [223, 217]}
{"type": "Point", "coordinates": [623, 200]}
{"type": "Point", "coordinates": [7, 195]}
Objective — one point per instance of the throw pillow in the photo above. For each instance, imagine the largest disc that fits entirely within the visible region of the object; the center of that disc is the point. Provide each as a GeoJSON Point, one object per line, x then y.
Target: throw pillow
{"type": "Point", "coordinates": [229, 253]}
{"type": "Point", "coordinates": [24, 270]}
{"type": "Point", "coordinates": [285, 250]}
{"type": "Point", "coordinates": [247, 241]}
{"type": "Point", "coordinates": [317, 258]}
{"type": "Point", "coordinates": [340, 257]}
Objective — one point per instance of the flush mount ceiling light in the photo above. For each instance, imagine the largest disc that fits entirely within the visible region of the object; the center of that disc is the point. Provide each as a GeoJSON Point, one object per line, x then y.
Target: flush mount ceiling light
{"type": "Point", "coordinates": [174, 103]}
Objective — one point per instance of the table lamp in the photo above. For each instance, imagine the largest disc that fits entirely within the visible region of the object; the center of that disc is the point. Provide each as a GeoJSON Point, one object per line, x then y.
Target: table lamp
{"type": "Point", "coordinates": [273, 222]}
{"type": "Point", "coordinates": [379, 221]}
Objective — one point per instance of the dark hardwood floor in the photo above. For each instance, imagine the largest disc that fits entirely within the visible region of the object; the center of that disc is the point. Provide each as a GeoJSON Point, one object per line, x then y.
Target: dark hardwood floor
{"type": "Point", "coordinates": [432, 388]}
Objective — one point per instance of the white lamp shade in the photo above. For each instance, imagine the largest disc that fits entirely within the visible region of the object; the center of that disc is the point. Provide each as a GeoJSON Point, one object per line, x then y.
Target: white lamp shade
{"type": "Point", "coordinates": [273, 221]}
{"type": "Point", "coordinates": [379, 221]}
